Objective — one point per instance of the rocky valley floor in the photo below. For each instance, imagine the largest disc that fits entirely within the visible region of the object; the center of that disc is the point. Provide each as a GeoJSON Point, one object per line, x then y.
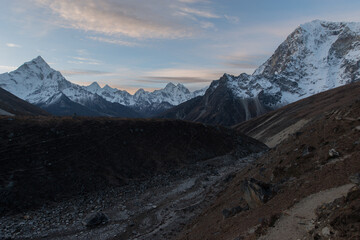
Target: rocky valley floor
{"type": "Point", "coordinates": [155, 209]}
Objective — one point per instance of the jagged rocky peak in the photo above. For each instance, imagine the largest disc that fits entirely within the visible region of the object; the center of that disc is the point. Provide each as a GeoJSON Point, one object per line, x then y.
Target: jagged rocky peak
{"type": "Point", "coordinates": [37, 65]}
{"type": "Point", "coordinates": [140, 91]}
{"type": "Point", "coordinates": [316, 40]}
{"type": "Point", "coordinates": [315, 57]}
{"type": "Point", "coordinates": [94, 87]}
{"type": "Point", "coordinates": [109, 89]}
{"type": "Point", "coordinates": [182, 88]}
{"type": "Point", "coordinates": [170, 85]}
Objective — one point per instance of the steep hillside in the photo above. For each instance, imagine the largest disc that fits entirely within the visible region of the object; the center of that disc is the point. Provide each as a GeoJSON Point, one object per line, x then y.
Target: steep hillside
{"type": "Point", "coordinates": [11, 104]}
{"type": "Point", "coordinates": [219, 105]}
{"type": "Point", "coordinates": [275, 126]}
{"type": "Point", "coordinates": [45, 159]}
{"type": "Point", "coordinates": [305, 187]}
{"type": "Point", "coordinates": [316, 57]}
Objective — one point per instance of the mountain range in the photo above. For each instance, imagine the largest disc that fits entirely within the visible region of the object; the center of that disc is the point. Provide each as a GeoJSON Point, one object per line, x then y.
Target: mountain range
{"type": "Point", "coordinates": [36, 82]}
{"type": "Point", "coordinates": [316, 57]}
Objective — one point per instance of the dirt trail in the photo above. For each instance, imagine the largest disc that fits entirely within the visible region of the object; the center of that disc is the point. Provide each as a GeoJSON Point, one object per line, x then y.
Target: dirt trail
{"type": "Point", "coordinates": [297, 221]}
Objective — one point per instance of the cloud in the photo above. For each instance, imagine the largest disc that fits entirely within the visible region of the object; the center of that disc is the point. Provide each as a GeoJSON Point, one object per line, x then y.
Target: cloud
{"type": "Point", "coordinates": [207, 25]}
{"type": "Point", "coordinates": [83, 72]}
{"type": "Point", "coordinates": [13, 45]}
{"type": "Point", "coordinates": [243, 61]}
{"type": "Point", "coordinates": [198, 13]}
{"type": "Point", "coordinates": [174, 79]}
{"type": "Point", "coordinates": [194, 1]}
{"type": "Point", "coordinates": [232, 19]}
{"type": "Point", "coordinates": [114, 41]}
{"type": "Point", "coordinates": [180, 75]}
{"type": "Point", "coordinates": [84, 60]}
{"type": "Point", "coordinates": [7, 68]}
{"type": "Point", "coordinates": [131, 18]}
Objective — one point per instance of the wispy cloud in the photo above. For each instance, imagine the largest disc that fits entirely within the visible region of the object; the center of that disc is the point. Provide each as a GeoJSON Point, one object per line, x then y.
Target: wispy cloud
{"type": "Point", "coordinates": [207, 25]}
{"type": "Point", "coordinates": [174, 79]}
{"type": "Point", "coordinates": [114, 41]}
{"type": "Point", "coordinates": [232, 19]}
{"type": "Point", "coordinates": [85, 72]}
{"type": "Point", "coordinates": [181, 75]}
{"type": "Point", "coordinates": [194, 1]}
{"type": "Point", "coordinates": [131, 18]}
{"type": "Point", "coordinates": [6, 68]}
{"type": "Point", "coordinates": [243, 61]}
{"type": "Point", "coordinates": [198, 12]}
{"type": "Point", "coordinates": [13, 45]}
{"type": "Point", "coordinates": [84, 60]}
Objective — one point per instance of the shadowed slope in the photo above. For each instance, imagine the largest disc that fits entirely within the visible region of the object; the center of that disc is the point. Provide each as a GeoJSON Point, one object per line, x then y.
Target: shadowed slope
{"type": "Point", "coordinates": [14, 105]}
{"type": "Point", "coordinates": [52, 158]}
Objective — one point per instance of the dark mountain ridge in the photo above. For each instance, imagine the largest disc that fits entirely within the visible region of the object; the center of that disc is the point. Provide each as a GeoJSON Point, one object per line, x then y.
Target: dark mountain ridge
{"type": "Point", "coordinates": [14, 105]}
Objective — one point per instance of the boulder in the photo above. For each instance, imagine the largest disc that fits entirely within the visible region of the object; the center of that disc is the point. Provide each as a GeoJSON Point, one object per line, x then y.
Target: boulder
{"type": "Point", "coordinates": [355, 178]}
{"type": "Point", "coordinates": [333, 153]}
{"type": "Point", "coordinates": [95, 219]}
{"type": "Point", "coordinates": [256, 192]}
{"type": "Point", "coordinates": [231, 212]}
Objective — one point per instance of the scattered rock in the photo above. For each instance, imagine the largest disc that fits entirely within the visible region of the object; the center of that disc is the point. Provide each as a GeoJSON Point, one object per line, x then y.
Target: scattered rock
{"type": "Point", "coordinates": [307, 150]}
{"type": "Point", "coordinates": [231, 212]}
{"type": "Point", "coordinates": [333, 153]}
{"type": "Point", "coordinates": [256, 192]}
{"type": "Point", "coordinates": [229, 177]}
{"type": "Point", "coordinates": [325, 232]}
{"type": "Point", "coordinates": [357, 128]}
{"type": "Point", "coordinates": [355, 178]}
{"type": "Point", "coordinates": [95, 219]}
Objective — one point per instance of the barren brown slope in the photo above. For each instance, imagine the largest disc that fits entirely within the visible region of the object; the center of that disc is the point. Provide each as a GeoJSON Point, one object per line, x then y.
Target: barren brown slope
{"type": "Point", "coordinates": [14, 105]}
{"type": "Point", "coordinates": [275, 126]}
{"type": "Point", "coordinates": [49, 158]}
{"type": "Point", "coordinates": [297, 168]}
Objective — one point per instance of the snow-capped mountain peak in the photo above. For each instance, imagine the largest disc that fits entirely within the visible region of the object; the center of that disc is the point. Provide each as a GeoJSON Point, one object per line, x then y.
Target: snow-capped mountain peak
{"type": "Point", "coordinates": [94, 87]}
{"type": "Point", "coordinates": [170, 85]}
{"type": "Point", "coordinates": [109, 89]}
{"type": "Point", "coordinates": [317, 56]}
{"type": "Point", "coordinates": [36, 82]}
{"type": "Point", "coordinates": [36, 66]}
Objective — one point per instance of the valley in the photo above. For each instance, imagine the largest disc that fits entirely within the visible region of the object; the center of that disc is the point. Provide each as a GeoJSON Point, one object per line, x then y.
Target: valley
{"type": "Point", "coordinates": [269, 155]}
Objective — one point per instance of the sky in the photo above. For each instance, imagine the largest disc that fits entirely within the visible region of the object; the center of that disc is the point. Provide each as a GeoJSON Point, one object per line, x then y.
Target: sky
{"type": "Point", "coordinates": [132, 44]}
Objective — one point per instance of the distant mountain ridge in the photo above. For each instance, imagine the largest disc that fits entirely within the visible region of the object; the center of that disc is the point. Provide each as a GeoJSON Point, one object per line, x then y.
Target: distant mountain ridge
{"type": "Point", "coordinates": [317, 56]}
{"type": "Point", "coordinates": [36, 82]}
{"type": "Point", "coordinates": [148, 103]}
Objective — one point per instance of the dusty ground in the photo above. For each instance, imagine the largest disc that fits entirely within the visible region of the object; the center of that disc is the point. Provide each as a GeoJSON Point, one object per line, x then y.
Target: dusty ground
{"type": "Point", "coordinates": [156, 209]}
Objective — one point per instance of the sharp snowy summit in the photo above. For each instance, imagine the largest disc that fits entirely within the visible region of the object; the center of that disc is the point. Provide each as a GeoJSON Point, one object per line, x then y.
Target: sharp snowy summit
{"type": "Point", "coordinates": [316, 57]}
{"type": "Point", "coordinates": [36, 82]}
